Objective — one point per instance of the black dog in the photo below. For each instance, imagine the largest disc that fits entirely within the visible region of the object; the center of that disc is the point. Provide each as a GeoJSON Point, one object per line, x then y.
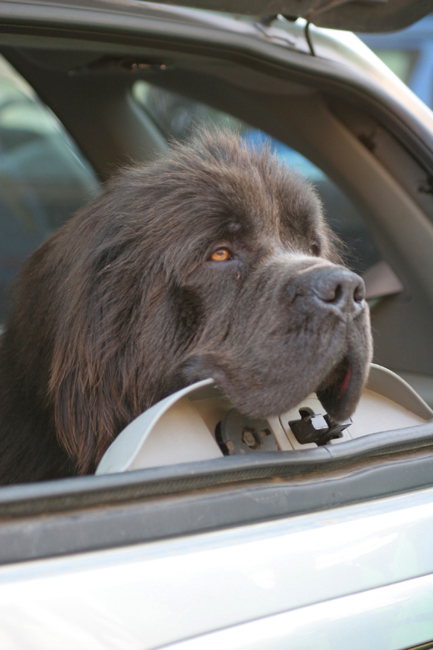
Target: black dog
{"type": "Point", "coordinates": [214, 261]}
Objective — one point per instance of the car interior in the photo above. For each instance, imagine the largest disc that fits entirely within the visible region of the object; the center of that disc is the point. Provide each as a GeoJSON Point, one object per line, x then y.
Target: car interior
{"type": "Point", "coordinates": [71, 114]}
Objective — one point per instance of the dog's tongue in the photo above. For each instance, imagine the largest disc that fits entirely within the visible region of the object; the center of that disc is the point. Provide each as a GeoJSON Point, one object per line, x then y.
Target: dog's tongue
{"type": "Point", "coordinates": [345, 383]}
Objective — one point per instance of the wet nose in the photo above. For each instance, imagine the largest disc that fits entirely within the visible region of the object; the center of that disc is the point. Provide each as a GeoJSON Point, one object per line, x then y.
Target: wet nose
{"type": "Point", "coordinates": [339, 289]}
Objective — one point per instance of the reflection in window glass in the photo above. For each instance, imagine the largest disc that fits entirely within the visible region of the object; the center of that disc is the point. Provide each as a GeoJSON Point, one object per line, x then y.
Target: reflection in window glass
{"type": "Point", "coordinates": [43, 177]}
{"type": "Point", "coordinates": [178, 117]}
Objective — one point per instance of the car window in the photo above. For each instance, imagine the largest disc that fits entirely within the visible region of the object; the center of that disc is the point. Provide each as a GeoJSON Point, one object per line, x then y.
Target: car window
{"type": "Point", "coordinates": [178, 116]}
{"type": "Point", "coordinates": [44, 178]}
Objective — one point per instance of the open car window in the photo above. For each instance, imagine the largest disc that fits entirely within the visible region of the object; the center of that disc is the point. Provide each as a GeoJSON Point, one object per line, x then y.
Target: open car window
{"type": "Point", "coordinates": [67, 181]}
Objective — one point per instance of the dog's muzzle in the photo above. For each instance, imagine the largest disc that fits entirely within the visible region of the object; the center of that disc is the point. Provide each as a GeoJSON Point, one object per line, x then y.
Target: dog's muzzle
{"type": "Point", "coordinates": [300, 326]}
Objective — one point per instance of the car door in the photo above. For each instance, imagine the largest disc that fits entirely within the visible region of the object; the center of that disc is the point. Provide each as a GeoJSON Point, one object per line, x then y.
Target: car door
{"type": "Point", "coordinates": [326, 546]}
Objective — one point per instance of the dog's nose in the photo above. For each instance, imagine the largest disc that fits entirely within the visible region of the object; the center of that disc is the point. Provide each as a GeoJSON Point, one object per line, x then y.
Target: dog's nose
{"type": "Point", "coordinates": [339, 288]}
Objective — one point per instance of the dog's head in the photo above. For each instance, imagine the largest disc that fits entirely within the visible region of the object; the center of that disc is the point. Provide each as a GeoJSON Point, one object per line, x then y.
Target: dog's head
{"type": "Point", "coordinates": [214, 261]}
{"type": "Point", "coordinates": [257, 297]}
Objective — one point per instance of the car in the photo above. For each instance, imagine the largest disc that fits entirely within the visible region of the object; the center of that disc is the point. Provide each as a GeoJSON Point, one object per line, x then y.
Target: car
{"type": "Point", "coordinates": [292, 543]}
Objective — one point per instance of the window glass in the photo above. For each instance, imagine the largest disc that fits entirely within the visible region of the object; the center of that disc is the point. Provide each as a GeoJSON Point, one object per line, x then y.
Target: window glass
{"type": "Point", "coordinates": [44, 179]}
{"type": "Point", "coordinates": [178, 117]}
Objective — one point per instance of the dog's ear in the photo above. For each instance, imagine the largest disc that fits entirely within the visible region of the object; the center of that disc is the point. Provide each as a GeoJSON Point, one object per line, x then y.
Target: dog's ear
{"type": "Point", "coordinates": [87, 412]}
{"type": "Point", "coordinates": [91, 401]}
{"type": "Point", "coordinates": [94, 369]}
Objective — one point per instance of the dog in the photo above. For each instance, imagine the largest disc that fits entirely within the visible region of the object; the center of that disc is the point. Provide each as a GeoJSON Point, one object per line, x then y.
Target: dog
{"type": "Point", "coordinates": [214, 261]}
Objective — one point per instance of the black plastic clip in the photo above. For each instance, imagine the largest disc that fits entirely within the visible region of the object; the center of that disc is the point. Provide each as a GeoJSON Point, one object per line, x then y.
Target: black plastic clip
{"type": "Point", "coordinates": [316, 427]}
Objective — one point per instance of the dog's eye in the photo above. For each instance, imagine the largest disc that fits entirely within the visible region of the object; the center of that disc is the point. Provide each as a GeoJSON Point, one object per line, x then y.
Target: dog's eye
{"type": "Point", "coordinates": [221, 255]}
{"type": "Point", "coordinates": [314, 249]}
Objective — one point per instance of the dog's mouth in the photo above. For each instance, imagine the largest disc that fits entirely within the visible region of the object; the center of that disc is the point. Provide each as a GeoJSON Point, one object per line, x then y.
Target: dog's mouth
{"type": "Point", "coordinates": [336, 391]}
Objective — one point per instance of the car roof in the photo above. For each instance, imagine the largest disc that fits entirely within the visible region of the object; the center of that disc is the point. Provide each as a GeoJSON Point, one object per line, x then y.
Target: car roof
{"type": "Point", "coordinates": [369, 16]}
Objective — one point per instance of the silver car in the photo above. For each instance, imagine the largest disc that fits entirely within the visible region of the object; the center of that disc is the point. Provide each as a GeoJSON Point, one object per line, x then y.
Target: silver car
{"type": "Point", "coordinates": [285, 543]}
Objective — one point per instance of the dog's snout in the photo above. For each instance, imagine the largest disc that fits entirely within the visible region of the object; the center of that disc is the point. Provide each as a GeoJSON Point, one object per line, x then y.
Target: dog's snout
{"type": "Point", "coordinates": [340, 288]}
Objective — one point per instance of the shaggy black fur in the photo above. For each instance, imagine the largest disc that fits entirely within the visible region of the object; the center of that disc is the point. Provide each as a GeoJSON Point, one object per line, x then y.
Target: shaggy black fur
{"type": "Point", "coordinates": [125, 304]}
